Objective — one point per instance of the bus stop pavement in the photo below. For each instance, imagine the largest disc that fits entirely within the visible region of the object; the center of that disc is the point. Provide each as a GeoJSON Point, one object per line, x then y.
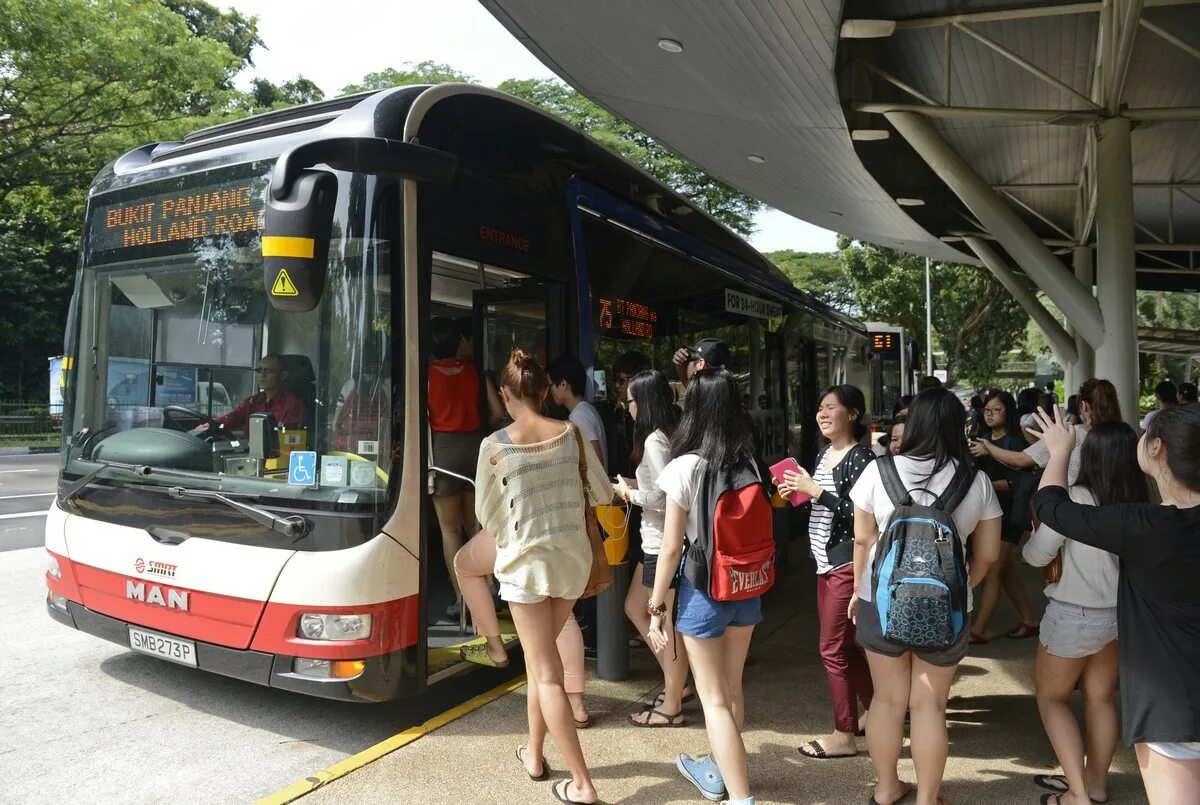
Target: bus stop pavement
{"type": "Point", "coordinates": [997, 743]}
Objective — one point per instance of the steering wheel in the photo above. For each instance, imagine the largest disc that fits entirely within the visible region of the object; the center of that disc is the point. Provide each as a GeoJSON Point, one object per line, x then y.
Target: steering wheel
{"type": "Point", "coordinates": [176, 417]}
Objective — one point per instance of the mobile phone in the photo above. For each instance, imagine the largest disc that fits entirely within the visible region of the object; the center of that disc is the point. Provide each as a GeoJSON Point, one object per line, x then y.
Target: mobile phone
{"type": "Point", "coordinates": [777, 470]}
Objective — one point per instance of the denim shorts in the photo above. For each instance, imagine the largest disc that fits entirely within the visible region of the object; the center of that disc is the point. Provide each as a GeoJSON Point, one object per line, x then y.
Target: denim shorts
{"type": "Point", "coordinates": [700, 616]}
{"type": "Point", "coordinates": [1071, 631]}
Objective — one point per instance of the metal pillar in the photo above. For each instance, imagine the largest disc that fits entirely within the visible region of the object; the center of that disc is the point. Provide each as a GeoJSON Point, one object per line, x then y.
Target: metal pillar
{"type": "Point", "coordinates": [1085, 365]}
{"type": "Point", "coordinates": [1062, 344]}
{"type": "Point", "coordinates": [1116, 279]}
{"type": "Point", "coordinates": [1013, 234]}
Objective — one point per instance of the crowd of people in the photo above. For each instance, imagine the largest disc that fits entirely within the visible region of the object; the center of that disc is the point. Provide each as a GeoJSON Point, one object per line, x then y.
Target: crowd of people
{"type": "Point", "coordinates": [1110, 514]}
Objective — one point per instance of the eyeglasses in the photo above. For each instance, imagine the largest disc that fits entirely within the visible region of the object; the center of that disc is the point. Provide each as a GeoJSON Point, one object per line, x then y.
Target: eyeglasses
{"type": "Point", "coordinates": [265, 370]}
{"type": "Point", "coordinates": [992, 411]}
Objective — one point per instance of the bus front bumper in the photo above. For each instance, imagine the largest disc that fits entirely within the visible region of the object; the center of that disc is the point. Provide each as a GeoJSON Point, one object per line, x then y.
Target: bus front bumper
{"type": "Point", "coordinates": [383, 678]}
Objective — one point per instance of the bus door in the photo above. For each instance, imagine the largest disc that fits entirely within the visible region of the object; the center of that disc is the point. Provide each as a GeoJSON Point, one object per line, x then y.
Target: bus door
{"type": "Point", "coordinates": [529, 316]}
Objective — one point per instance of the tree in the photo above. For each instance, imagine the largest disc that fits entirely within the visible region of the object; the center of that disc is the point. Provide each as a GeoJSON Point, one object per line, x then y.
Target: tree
{"type": "Point", "coordinates": [265, 95]}
{"type": "Point", "coordinates": [822, 274]}
{"type": "Point", "coordinates": [974, 317]}
{"type": "Point", "coordinates": [80, 83]}
{"type": "Point", "coordinates": [425, 72]}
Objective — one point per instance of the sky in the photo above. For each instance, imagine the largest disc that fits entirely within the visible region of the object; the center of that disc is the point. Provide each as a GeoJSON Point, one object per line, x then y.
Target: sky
{"type": "Point", "coordinates": [337, 43]}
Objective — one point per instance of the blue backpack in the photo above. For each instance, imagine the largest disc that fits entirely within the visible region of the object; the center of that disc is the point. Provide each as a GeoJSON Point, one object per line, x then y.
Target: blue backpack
{"type": "Point", "coordinates": [920, 581]}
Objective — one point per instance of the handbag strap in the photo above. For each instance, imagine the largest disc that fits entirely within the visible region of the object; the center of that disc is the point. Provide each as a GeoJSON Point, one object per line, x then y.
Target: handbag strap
{"type": "Point", "coordinates": [583, 472]}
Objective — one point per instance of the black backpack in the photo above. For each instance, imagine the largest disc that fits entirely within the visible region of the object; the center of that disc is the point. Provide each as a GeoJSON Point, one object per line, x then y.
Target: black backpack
{"type": "Point", "coordinates": [919, 584]}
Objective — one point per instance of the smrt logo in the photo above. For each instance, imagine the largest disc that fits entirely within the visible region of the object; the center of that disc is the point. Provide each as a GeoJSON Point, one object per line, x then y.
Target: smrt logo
{"type": "Point", "coordinates": [155, 568]}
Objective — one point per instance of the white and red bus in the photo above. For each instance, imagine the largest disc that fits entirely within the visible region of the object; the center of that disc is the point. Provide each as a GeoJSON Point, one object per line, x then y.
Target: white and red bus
{"type": "Point", "coordinates": [299, 550]}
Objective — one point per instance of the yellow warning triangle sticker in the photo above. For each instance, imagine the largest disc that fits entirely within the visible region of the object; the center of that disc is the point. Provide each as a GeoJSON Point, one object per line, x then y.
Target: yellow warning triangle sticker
{"type": "Point", "coordinates": [284, 286]}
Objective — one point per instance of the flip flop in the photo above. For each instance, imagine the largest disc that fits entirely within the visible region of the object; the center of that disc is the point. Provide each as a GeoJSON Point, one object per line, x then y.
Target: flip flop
{"type": "Point", "coordinates": [545, 775]}
{"type": "Point", "coordinates": [1047, 781]}
{"type": "Point", "coordinates": [560, 793]}
{"type": "Point", "coordinates": [1023, 631]}
{"type": "Point", "coordinates": [478, 654]}
{"type": "Point", "coordinates": [582, 725]}
{"type": "Point", "coordinates": [817, 752]}
{"type": "Point", "coordinates": [978, 639]}
{"type": "Point", "coordinates": [671, 720]}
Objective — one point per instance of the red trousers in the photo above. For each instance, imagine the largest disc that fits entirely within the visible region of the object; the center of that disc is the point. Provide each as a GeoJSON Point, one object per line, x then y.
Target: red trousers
{"type": "Point", "coordinates": [845, 664]}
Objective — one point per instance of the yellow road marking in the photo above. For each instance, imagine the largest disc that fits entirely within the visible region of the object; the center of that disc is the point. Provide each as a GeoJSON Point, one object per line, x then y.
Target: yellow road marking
{"type": "Point", "coordinates": [369, 755]}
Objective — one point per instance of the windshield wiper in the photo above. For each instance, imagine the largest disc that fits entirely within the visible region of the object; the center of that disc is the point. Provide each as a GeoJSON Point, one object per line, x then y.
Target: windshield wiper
{"type": "Point", "coordinates": [291, 526]}
{"type": "Point", "coordinates": [82, 483]}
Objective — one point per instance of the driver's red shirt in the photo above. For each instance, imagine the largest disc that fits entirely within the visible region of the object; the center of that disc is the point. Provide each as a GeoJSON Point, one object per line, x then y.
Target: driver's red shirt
{"type": "Point", "coordinates": [285, 406]}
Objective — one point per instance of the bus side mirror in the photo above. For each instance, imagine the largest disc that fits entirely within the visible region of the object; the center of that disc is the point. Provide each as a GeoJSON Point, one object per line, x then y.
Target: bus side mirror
{"type": "Point", "coordinates": [295, 241]}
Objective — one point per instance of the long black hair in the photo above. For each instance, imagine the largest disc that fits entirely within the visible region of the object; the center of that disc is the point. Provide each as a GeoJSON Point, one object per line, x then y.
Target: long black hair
{"type": "Point", "coordinates": [935, 429]}
{"type": "Point", "coordinates": [1179, 428]}
{"type": "Point", "coordinates": [656, 410]}
{"type": "Point", "coordinates": [1012, 424]}
{"type": "Point", "coordinates": [1108, 465]}
{"type": "Point", "coordinates": [851, 398]}
{"type": "Point", "coordinates": [714, 423]}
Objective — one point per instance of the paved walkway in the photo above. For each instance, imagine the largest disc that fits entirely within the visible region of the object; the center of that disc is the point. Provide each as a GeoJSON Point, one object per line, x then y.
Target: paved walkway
{"type": "Point", "coordinates": [996, 738]}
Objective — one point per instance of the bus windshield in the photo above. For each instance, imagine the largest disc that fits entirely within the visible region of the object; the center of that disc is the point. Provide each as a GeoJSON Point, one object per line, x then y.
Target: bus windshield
{"type": "Point", "coordinates": [183, 365]}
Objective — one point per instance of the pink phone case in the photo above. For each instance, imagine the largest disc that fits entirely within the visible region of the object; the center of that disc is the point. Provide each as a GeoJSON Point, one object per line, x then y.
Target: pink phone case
{"type": "Point", "coordinates": [777, 470]}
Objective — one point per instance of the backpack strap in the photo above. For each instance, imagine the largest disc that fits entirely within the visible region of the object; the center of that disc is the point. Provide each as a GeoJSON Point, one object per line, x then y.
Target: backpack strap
{"type": "Point", "coordinates": [957, 489]}
{"type": "Point", "coordinates": [892, 483]}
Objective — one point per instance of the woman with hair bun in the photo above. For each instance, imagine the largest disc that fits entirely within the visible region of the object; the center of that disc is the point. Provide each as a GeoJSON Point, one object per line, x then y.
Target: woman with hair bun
{"type": "Point", "coordinates": [831, 536]}
{"type": "Point", "coordinates": [1158, 606]}
{"type": "Point", "coordinates": [531, 498]}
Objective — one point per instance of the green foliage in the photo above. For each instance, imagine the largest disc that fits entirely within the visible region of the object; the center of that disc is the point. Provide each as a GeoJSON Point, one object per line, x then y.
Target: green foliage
{"type": "Point", "coordinates": [426, 72]}
{"type": "Point", "coordinates": [822, 274]}
{"type": "Point", "coordinates": [975, 319]}
{"type": "Point", "coordinates": [264, 95]}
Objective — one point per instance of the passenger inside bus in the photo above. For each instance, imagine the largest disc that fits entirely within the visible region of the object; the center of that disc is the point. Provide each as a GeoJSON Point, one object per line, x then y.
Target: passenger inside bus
{"type": "Point", "coordinates": [272, 398]}
{"type": "Point", "coordinates": [363, 419]}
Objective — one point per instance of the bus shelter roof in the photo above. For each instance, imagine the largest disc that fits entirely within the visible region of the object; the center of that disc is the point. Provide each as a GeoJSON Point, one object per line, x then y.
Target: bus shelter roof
{"type": "Point", "coordinates": [792, 102]}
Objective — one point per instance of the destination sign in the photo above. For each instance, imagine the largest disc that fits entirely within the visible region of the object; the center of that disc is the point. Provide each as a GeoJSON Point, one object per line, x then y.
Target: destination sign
{"type": "Point", "coordinates": [173, 220]}
{"type": "Point", "coordinates": [883, 342]}
{"type": "Point", "coordinates": [627, 317]}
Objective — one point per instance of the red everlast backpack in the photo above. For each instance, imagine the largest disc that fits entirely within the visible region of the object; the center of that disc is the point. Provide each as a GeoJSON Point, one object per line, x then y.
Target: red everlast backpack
{"type": "Point", "coordinates": [733, 558]}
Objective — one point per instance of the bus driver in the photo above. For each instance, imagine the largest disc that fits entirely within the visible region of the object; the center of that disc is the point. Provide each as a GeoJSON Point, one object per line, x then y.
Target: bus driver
{"type": "Point", "coordinates": [272, 399]}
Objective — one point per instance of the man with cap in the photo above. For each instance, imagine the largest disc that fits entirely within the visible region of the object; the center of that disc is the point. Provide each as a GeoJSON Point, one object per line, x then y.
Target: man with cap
{"type": "Point", "coordinates": [708, 353]}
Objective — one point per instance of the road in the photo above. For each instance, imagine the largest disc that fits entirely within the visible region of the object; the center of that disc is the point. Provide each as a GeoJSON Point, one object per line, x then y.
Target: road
{"type": "Point", "coordinates": [86, 720]}
{"type": "Point", "coordinates": [26, 489]}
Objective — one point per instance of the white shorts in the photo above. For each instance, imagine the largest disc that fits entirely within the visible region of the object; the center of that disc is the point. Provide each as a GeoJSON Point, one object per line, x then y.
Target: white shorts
{"type": "Point", "coordinates": [1177, 751]}
{"type": "Point", "coordinates": [518, 595]}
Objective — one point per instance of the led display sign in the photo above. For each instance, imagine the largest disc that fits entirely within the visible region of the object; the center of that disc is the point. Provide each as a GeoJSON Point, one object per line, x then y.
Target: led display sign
{"type": "Point", "coordinates": [175, 219]}
{"type": "Point", "coordinates": [883, 342]}
{"type": "Point", "coordinates": [626, 317]}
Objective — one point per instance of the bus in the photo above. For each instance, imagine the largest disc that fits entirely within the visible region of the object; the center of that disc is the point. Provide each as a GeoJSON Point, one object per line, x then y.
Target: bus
{"type": "Point", "coordinates": [300, 555]}
{"type": "Point", "coordinates": [895, 368]}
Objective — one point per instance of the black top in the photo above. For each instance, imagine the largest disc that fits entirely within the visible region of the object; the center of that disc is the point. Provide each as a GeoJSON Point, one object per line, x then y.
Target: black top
{"type": "Point", "coordinates": [1158, 607]}
{"type": "Point", "coordinates": [840, 548]}
{"type": "Point", "coordinates": [999, 472]}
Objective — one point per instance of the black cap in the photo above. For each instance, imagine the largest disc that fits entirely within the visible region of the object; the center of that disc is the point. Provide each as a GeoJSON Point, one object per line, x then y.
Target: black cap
{"type": "Point", "coordinates": [714, 351]}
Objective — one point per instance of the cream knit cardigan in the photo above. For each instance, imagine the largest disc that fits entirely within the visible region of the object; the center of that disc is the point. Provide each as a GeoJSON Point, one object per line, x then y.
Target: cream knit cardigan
{"type": "Point", "coordinates": [530, 498]}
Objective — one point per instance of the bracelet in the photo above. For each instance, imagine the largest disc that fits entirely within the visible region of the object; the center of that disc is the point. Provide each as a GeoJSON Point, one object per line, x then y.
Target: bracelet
{"type": "Point", "coordinates": [656, 610]}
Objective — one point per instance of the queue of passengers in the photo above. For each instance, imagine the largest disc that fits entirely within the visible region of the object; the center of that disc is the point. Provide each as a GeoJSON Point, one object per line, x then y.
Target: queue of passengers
{"type": "Point", "coordinates": [1126, 565]}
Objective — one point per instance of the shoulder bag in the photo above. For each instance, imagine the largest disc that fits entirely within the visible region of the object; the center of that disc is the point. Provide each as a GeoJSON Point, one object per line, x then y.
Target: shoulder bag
{"type": "Point", "coordinates": [600, 578]}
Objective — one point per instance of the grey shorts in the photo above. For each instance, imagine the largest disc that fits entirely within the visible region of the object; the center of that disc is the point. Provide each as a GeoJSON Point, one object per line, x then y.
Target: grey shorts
{"type": "Point", "coordinates": [1071, 631]}
{"type": "Point", "coordinates": [869, 635]}
{"type": "Point", "coordinates": [459, 453]}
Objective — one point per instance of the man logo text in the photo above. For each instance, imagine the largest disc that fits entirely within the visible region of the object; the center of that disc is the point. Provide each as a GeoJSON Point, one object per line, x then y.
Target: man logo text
{"type": "Point", "coordinates": [174, 599]}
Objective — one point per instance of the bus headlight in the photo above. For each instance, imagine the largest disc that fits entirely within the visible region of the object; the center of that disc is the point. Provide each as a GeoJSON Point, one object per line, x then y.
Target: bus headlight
{"type": "Point", "coordinates": [329, 669]}
{"type": "Point", "coordinates": [318, 626]}
{"type": "Point", "coordinates": [52, 567]}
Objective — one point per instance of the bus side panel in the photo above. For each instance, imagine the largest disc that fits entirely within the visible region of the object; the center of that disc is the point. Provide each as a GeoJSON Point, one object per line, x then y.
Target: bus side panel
{"type": "Point", "coordinates": [202, 589]}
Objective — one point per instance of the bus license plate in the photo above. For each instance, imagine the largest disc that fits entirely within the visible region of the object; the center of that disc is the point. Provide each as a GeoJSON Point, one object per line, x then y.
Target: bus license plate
{"type": "Point", "coordinates": [161, 645]}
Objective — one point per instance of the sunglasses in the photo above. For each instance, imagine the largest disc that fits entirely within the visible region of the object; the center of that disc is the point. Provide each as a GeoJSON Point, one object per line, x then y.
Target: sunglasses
{"type": "Point", "coordinates": [265, 370]}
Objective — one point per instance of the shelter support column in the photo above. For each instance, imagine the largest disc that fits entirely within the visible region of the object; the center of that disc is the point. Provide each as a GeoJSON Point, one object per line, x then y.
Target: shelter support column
{"type": "Point", "coordinates": [1003, 223]}
{"type": "Point", "coordinates": [1085, 364]}
{"type": "Point", "coordinates": [1056, 336]}
{"type": "Point", "coordinates": [1116, 278]}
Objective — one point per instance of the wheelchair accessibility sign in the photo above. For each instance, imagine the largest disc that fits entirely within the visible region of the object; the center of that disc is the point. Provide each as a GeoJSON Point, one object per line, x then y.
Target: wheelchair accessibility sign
{"type": "Point", "coordinates": [302, 468]}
